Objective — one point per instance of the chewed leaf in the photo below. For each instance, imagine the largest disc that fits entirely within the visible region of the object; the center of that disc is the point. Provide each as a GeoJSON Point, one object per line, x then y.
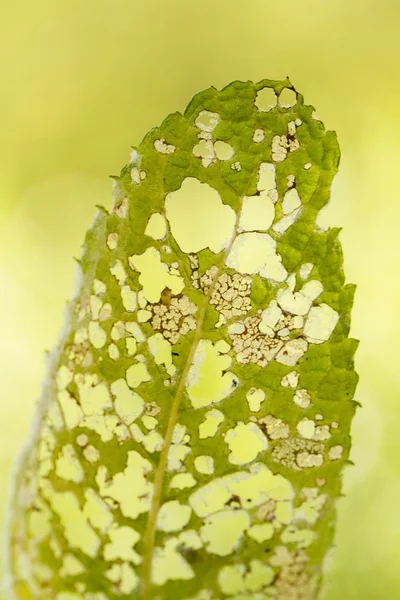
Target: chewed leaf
{"type": "Point", "coordinates": [195, 420]}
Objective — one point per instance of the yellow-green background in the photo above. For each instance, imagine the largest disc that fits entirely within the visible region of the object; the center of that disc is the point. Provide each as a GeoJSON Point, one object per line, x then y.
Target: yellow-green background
{"type": "Point", "coordinates": [80, 81]}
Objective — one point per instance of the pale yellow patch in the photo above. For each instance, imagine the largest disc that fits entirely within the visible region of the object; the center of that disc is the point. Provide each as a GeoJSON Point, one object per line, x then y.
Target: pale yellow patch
{"type": "Point", "coordinates": [182, 481]}
{"type": "Point", "coordinates": [207, 121]}
{"type": "Point", "coordinates": [97, 512]}
{"type": "Point", "coordinates": [128, 405]}
{"type": "Point", "coordinates": [207, 383]}
{"type": "Point", "coordinates": [130, 488]}
{"type": "Point", "coordinates": [291, 201]}
{"type": "Point", "coordinates": [123, 539]}
{"type": "Point", "coordinates": [266, 99]}
{"type": "Point", "coordinates": [223, 151]}
{"type": "Point", "coordinates": [97, 335]}
{"type": "Point", "coordinates": [173, 516]}
{"type": "Point", "coordinates": [156, 227]}
{"type": "Point", "coordinates": [137, 374]}
{"type": "Point", "coordinates": [208, 223]}
{"type": "Point", "coordinates": [306, 428]}
{"type": "Point", "coordinates": [223, 531]}
{"type": "Point", "coordinates": [154, 275]}
{"type": "Point", "coordinates": [204, 464]}
{"type": "Point", "coordinates": [258, 213]}
{"type": "Point", "coordinates": [255, 397]}
{"type": "Point", "coordinates": [160, 348]}
{"type": "Point", "coordinates": [135, 330]}
{"type": "Point", "coordinates": [261, 532]}
{"type": "Point", "coordinates": [209, 427]}
{"type": "Point", "coordinates": [321, 322]}
{"type": "Point", "coordinates": [112, 240]}
{"type": "Point", "coordinates": [245, 442]}
{"type": "Point", "coordinates": [169, 565]}
{"type": "Point", "coordinates": [287, 98]}
{"type": "Point", "coordinates": [266, 177]}
{"type": "Point", "coordinates": [119, 272]}
{"type": "Point", "coordinates": [77, 530]}
{"type": "Point", "coordinates": [253, 253]}
{"type": "Point", "coordinates": [129, 298]}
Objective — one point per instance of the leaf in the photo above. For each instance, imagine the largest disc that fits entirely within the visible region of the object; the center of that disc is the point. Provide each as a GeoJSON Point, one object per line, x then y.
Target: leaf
{"type": "Point", "coordinates": [195, 420]}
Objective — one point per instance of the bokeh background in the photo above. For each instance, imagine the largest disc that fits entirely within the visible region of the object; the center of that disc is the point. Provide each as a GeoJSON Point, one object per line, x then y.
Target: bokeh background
{"type": "Point", "coordinates": [83, 80]}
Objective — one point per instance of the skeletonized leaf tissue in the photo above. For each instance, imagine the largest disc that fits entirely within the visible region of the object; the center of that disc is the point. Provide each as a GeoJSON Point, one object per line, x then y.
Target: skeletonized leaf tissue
{"type": "Point", "coordinates": [195, 422]}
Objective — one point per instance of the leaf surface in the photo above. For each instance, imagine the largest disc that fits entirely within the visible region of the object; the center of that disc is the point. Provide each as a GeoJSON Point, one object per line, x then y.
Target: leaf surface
{"type": "Point", "coordinates": [195, 421]}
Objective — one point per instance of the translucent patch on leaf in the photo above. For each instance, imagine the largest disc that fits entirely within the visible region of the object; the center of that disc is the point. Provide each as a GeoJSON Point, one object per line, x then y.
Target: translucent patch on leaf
{"type": "Point", "coordinates": [97, 511]}
{"type": "Point", "coordinates": [245, 442]}
{"type": "Point", "coordinates": [122, 541]}
{"type": "Point", "coordinates": [253, 488]}
{"type": "Point", "coordinates": [207, 121]}
{"type": "Point", "coordinates": [77, 530]}
{"type": "Point", "coordinates": [128, 405]}
{"type": "Point", "coordinates": [302, 398]}
{"type": "Point", "coordinates": [153, 442]}
{"type": "Point", "coordinates": [119, 272]}
{"type": "Point", "coordinates": [125, 578]}
{"type": "Point", "coordinates": [94, 398]}
{"type": "Point", "coordinates": [112, 240]}
{"type": "Point", "coordinates": [135, 330]}
{"type": "Point", "coordinates": [173, 516]}
{"type": "Point", "coordinates": [209, 427]}
{"type": "Point", "coordinates": [208, 380]}
{"type": "Point", "coordinates": [255, 397]}
{"type": "Point", "coordinates": [238, 579]}
{"type": "Point", "coordinates": [223, 151]}
{"type": "Point", "coordinates": [305, 270]}
{"type": "Point", "coordinates": [169, 565]}
{"type": "Point", "coordinates": [129, 298]}
{"type": "Point", "coordinates": [68, 466]}
{"type": "Point", "coordinates": [291, 201]}
{"type": "Point", "coordinates": [261, 532]}
{"type": "Point", "coordinates": [306, 428]}
{"type": "Point", "coordinates": [320, 323]}
{"type": "Point", "coordinates": [291, 352]}
{"type": "Point", "coordinates": [156, 227]}
{"type": "Point", "coordinates": [205, 150]}
{"type": "Point", "coordinates": [204, 464]}
{"type": "Point", "coordinates": [266, 99]}
{"type": "Point", "coordinates": [208, 223]}
{"type": "Point", "coordinates": [130, 488]}
{"type": "Point", "coordinates": [299, 303]}
{"type": "Point", "coordinates": [176, 456]}
{"type": "Point", "coordinates": [290, 380]}
{"type": "Point", "coordinates": [336, 452]}
{"type": "Point", "coordinates": [267, 180]}
{"type": "Point", "coordinates": [97, 335]}
{"type": "Point", "coordinates": [301, 537]}
{"type": "Point", "coordinates": [287, 98]}
{"type": "Point", "coordinates": [137, 374]}
{"type": "Point", "coordinates": [258, 136]}
{"type": "Point", "coordinates": [164, 148]}
{"type": "Point", "coordinates": [222, 531]}
{"type": "Point", "coordinates": [182, 481]}
{"type": "Point", "coordinates": [160, 348]}
{"type": "Point", "coordinates": [154, 275]}
{"type": "Point", "coordinates": [276, 428]}
{"type": "Point", "coordinates": [253, 253]}
{"type": "Point", "coordinates": [287, 221]}
{"type": "Point", "coordinates": [258, 213]}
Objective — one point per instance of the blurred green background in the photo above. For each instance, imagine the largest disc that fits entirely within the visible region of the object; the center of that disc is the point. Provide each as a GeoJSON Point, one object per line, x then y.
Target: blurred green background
{"type": "Point", "coordinates": [82, 81]}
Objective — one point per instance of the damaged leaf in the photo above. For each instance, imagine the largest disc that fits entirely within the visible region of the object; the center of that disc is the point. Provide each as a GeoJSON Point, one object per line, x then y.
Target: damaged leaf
{"type": "Point", "coordinates": [195, 421]}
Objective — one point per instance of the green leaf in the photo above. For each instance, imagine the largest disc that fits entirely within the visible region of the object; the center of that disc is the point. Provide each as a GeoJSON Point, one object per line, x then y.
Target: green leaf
{"type": "Point", "coordinates": [195, 420]}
